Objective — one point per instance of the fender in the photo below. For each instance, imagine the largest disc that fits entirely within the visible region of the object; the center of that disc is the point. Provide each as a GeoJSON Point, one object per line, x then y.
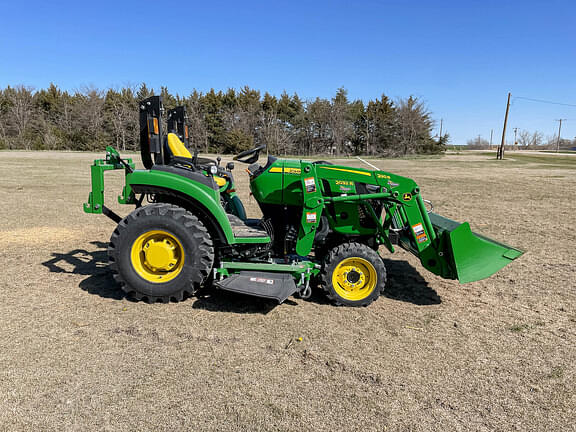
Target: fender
{"type": "Point", "coordinates": [203, 195]}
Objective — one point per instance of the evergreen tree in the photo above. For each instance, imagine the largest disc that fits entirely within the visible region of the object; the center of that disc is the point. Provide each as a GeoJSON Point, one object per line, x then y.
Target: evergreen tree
{"type": "Point", "coordinates": [168, 100]}
{"type": "Point", "coordinates": [380, 127]}
{"type": "Point", "coordinates": [414, 127]}
{"type": "Point", "coordinates": [212, 106]}
{"type": "Point", "coordinates": [144, 92]}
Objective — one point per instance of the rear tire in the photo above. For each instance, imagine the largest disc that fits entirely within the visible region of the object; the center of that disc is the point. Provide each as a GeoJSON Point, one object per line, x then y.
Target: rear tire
{"type": "Point", "coordinates": [353, 274]}
{"type": "Point", "coordinates": [160, 252]}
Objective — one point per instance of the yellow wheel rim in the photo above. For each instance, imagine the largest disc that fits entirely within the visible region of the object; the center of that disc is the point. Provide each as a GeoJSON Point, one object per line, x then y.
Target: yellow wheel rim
{"type": "Point", "coordinates": [354, 278]}
{"type": "Point", "coordinates": [157, 256]}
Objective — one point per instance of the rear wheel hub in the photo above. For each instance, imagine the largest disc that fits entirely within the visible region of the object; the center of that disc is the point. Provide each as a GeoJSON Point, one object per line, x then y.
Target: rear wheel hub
{"type": "Point", "coordinates": [160, 255]}
{"type": "Point", "coordinates": [157, 256]}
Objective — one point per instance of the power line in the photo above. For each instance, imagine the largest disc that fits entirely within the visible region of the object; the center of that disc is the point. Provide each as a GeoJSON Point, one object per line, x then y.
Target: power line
{"type": "Point", "coordinates": [544, 101]}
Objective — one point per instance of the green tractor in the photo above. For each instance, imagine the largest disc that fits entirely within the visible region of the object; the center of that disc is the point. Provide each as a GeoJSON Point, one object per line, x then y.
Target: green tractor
{"type": "Point", "coordinates": [322, 224]}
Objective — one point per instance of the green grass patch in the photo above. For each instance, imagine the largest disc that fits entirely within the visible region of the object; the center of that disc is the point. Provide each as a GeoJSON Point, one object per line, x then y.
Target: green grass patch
{"type": "Point", "coordinates": [518, 328]}
{"type": "Point", "coordinates": [556, 372]}
{"type": "Point", "coordinates": [544, 159]}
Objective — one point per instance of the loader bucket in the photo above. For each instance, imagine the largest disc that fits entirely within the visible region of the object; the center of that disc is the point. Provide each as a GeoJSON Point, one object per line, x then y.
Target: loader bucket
{"type": "Point", "coordinates": [474, 257]}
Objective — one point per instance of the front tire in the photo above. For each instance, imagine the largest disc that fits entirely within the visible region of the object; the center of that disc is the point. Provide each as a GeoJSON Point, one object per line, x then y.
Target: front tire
{"type": "Point", "coordinates": [160, 252]}
{"type": "Point", "coordinates": [353, 274]}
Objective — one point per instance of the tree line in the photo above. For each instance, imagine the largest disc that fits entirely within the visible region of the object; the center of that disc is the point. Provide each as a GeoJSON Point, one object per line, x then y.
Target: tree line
{"type": "Point", "coordinates": [220, 121]}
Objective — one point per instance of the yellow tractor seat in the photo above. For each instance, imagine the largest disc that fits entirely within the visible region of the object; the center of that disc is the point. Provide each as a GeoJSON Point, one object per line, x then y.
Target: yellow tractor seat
{"type": "Point", "coordinates": [177, 147]}
{"type": "Point", "coordinates": [220, 181]}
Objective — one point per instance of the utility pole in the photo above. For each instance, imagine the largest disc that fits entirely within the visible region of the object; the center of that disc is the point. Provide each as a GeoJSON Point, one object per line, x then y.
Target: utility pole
{"type": "Point", "coordinates": [500, 154]}
{"type": "Point", "coordinates": [559, 130]}
{"type": "Point", "coordinates": [491, 132]}
{"type": "Point", "coordinates": [515, 140]}
{"type": "Point", "coordinates": [441, 120]}
{"type": "Point", "coordinates": [478, 142]}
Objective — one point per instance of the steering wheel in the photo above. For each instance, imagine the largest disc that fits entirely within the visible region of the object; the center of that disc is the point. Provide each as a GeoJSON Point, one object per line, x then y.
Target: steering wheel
{"type": "Point", "coordinates": [250, 156]}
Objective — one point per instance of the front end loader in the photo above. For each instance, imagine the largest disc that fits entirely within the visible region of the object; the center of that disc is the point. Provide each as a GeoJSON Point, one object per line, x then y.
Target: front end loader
{"type": "Point", "coordinates": [322, 225]}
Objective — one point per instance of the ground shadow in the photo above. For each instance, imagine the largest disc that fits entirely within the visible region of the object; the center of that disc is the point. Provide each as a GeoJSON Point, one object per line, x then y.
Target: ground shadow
{"type": "Point", "coordinates": [90, 263]}
{"type": "Point", "coordinates": [216, 300]}
{"type": "Point", "coordinates": [406, 284]}
{"type": "Point", "coordinates": [94, 264]}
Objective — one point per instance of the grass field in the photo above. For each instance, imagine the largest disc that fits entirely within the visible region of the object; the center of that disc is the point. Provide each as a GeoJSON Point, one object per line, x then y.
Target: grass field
{"type": "Point", "coordinates": [430, 355]}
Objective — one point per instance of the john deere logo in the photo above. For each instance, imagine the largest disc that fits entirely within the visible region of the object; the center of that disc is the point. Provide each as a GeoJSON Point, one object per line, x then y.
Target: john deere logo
{"type": "Point", "coordinates": [407, 197]}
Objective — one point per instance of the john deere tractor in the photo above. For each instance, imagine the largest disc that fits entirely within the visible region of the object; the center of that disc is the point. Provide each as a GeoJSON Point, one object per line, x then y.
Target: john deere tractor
{"type": "Point", "coordinates": [322, 225]}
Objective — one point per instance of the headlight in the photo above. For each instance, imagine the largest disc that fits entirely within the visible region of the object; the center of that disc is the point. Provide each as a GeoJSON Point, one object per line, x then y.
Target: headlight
{"type": "Point", "coordinates": [213, 169]}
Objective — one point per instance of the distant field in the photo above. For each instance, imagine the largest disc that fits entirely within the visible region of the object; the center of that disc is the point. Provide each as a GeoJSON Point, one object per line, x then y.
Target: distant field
{"type": "Point", "coordinates": [430, 355]}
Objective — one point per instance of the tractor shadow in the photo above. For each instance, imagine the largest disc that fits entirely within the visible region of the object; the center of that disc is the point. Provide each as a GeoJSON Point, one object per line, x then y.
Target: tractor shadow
{"type": "Point", "coordinates": [100, 282]}
{"type": "Point", "coordinates": [406, 284]}
{"type": "Point", "coordinates": [93, 264]}
{"type": "Point", "coordinates": [215, 300]}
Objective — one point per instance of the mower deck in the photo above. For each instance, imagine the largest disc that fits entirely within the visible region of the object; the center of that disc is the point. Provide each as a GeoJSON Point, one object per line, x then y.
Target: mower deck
{"type": "Point", "coordinates": [278, 286]}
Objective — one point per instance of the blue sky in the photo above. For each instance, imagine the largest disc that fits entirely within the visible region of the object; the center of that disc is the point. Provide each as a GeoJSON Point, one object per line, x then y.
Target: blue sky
{"type": "Point", "coordinates": [461, 57]}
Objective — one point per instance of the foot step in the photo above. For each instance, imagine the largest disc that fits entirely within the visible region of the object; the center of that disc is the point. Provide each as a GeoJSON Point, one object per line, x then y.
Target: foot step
{"type": "Point", "coordinates": [246, 229]}
{"type": "Point", "coordinates": [278, 286]}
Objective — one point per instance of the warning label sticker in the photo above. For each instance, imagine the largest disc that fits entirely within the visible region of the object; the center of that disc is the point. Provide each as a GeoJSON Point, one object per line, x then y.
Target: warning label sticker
{"type": "Point", "coordinates": [311, 217]}
{"type": "Point", "coordinates": [419, 232]}
{"type": "Point", "coordinates": [421, 238]}
{"type": "Point", "coordinates": [262, 280]}
{"type": "Point", "coordinates": [310, 184]}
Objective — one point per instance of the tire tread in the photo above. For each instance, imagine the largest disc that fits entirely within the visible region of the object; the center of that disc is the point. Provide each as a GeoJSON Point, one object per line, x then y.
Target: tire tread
{"type": "Point", "coordinates": [346, 250]}
{"type": "Point", "coordinates": [197, 230]}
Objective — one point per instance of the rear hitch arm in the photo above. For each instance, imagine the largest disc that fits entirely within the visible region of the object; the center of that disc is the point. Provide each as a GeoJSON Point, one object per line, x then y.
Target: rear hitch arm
{"type": "Point", "coordinates": [113, 161]}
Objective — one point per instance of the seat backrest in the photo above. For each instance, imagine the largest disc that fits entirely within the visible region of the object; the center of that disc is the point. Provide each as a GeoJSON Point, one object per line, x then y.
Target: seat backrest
{"type": "Point", "coordinates": [177, 147]}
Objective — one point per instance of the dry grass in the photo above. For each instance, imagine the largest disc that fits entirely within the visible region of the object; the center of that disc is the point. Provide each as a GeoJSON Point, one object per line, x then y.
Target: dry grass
{"type": "Point", "coordinates": [429, 355]}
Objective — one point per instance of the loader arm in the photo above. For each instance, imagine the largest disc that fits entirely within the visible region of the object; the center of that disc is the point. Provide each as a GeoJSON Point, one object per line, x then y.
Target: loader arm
{"type": "Point", "coordinates": [445, 247]}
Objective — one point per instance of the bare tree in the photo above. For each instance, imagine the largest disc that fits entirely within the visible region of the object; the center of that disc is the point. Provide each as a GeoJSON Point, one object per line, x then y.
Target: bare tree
{"type": "Point", "coordinates": [528, 139]}
{"type": "Point", "coordinates": [552, 143]}
{"type": "Point", "coordinates": [339, 121]}
{"type": "Point", "coordinates": [20, 111]}
{"type": "Point", "coordinates": [524, 138]}
{"type": "Point", "coordinates": [478, 143]}
{"type": "Point", "coordinates": [274, 133]}
{"type": "Point", "coordinates": [88, 113]}
{"type": "Point", "coordinates": [3, 131]}
{"type": "Point", "coordinates": [123, 115]}
{"type": "Point", "coordinates": [197, 131]}
{"type": "Point", "coordinates": [3, 134]}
